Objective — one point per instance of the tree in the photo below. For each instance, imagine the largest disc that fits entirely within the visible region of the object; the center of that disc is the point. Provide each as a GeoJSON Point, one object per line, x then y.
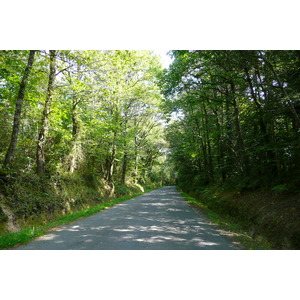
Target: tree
{"type": "Point", "coordinates": [40, 154]}
{"type": "Point", "coordinates": [17, 116]}
{"type": "Point", "coordinates": [102, 121]}
{"type": "Point", "coordinates": [239, 110]}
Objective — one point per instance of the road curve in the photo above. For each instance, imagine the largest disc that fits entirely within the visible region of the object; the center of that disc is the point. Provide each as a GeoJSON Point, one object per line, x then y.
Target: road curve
{"type": "Point", "coordinates": [158, 220]}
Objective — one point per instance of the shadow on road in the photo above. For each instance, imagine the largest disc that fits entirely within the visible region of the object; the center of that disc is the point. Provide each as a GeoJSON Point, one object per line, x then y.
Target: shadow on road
{"type": "Point", "coordinates": [160, 219]}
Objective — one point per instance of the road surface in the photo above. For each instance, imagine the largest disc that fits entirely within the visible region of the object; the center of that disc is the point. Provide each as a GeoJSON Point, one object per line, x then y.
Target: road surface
{"type": "Point", "coordinates": [158, 220]}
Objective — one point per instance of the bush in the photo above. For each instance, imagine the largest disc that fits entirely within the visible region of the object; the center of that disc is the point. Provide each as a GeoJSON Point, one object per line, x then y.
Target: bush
{"type": "Point", "coordinates": [34, 199]}
{"type": "Point", "coordinates": [281, 188]}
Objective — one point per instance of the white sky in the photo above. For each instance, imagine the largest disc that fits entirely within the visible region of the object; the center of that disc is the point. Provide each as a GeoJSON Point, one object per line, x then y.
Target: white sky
{"type": "Point", "coordinates": [165, 59]}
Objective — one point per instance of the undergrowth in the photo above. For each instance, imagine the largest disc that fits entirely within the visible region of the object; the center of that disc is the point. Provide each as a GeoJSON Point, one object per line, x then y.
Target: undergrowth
{"type": "Point", "coordinates": [33, 199]}
{"type": "Point", "coordinates": [234, 230]}
{"type": "Point", "coordinates": [27, 234]}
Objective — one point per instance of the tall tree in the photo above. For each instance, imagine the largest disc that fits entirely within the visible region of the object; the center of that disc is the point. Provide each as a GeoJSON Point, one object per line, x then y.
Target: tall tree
{"type": "Point", "coordinates": [240, 111]}
{"type": "Point", "coordinates": [40, 154]}
{"type": "Point", "coordinates": [102, 122]}
{"type": "Point", "coordinates": [18, 110]}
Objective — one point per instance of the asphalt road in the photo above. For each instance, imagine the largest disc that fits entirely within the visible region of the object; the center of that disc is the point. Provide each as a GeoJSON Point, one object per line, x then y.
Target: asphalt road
{"type": "Point", "coordinates": [158, 220]}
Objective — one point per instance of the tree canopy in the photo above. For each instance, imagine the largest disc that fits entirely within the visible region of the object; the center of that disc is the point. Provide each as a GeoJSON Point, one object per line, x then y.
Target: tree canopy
{"type": "Point", "coordinates": [237, 117]}
{"type": "Point", "coordinates": [212, 116]}
{"type": "Point", "coordinates": [95, 112]}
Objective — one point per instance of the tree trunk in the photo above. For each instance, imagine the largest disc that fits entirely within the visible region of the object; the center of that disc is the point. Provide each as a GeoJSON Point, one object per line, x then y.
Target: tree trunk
{"type": "Point", "coordinates": [220, 147]}
{"type": "Point", "coordinates": [76, 150]}
{"type": "Point", "coordinates": [270, 160]}
{"type": "Point", "coordinates": [240, 149]}
{"type": "Point", "coordinates": [125, 156]}
{"type": "Point", "coordinates": [76, 130]}
{"type": "Point", "coordinates": [124, 168]}
{"type": "Point", "coordinates": [288, 99]}
{"type": "Point", "coordinates": [136, 161]}
{"type": "Point", "coordinates": [40, 155]}
{"type": "Point", "coordinates": [207, 132]}
{"type": "Point", "coordinates": [111, 160]}
{"type": "Point", "coordinates": [16, 125]}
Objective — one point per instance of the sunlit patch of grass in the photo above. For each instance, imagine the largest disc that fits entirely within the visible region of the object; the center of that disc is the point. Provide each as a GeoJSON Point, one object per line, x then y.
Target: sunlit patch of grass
{"type": "Point", "coordinates": [25, 235]}
{"type": "Point", "coordinates": [232, 230]}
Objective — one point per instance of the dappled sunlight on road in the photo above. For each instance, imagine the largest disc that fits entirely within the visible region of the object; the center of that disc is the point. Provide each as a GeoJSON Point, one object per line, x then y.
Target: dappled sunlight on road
{"type": "Point", "coordinates": [160, 219]}
{"type": "Point", "coordinates": [159, 239]}
{"type": "Point", "coordinates": [49, 237]}
{"type": "Point", "coordinates": [155, 204]}
{"type": "Point", "coordinates": [202, 242]}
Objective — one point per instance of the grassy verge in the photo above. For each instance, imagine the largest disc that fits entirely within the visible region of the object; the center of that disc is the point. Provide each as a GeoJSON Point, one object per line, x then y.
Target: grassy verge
{"type": "Point", "coordinates": [25, 235]}
{"type": "Point", "coordinates": [228, 227]}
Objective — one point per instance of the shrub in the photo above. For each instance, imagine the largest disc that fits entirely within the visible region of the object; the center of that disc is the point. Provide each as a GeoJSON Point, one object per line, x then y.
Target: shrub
{"type": "Point", "coordinates": [281, 188]}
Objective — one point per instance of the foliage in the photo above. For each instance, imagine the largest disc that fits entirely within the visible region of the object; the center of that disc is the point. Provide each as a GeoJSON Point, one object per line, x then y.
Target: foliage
{"type": "Point", "coordinates": [90, 128]}
{"type": "Point", "coordinates": [230, 226]}
{"type": "Point", "coordinates": [103, 115]}
{"type": "Point", "coordinates": [280, 188]}
{"type": "Point", "coordinates": [112, 121]}
{"type": "Point", "coordinates": [27, 234]}
{"type": "Point", "coordinates": [236, 117]}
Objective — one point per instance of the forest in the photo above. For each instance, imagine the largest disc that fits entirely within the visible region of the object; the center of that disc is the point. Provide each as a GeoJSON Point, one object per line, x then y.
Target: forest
{"type": "Point", "coordinates": [238, 117]}
{"type": "Point", "coordinates": [81, 127]}
{"type": "Point", "coordinates": [77, 128]}
{"type": "Point", "coordinates": [236, 142]}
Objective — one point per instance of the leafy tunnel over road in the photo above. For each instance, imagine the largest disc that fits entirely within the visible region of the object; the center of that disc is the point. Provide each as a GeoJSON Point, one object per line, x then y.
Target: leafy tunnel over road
{"type": "Point", "coordinates": [158, 220]}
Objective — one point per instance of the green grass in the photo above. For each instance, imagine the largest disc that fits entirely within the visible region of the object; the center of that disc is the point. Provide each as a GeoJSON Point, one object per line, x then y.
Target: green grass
{"type": "Point", "coordinates": [25, 235]}
{"type": "Point", "coordinates": [236, 232]}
